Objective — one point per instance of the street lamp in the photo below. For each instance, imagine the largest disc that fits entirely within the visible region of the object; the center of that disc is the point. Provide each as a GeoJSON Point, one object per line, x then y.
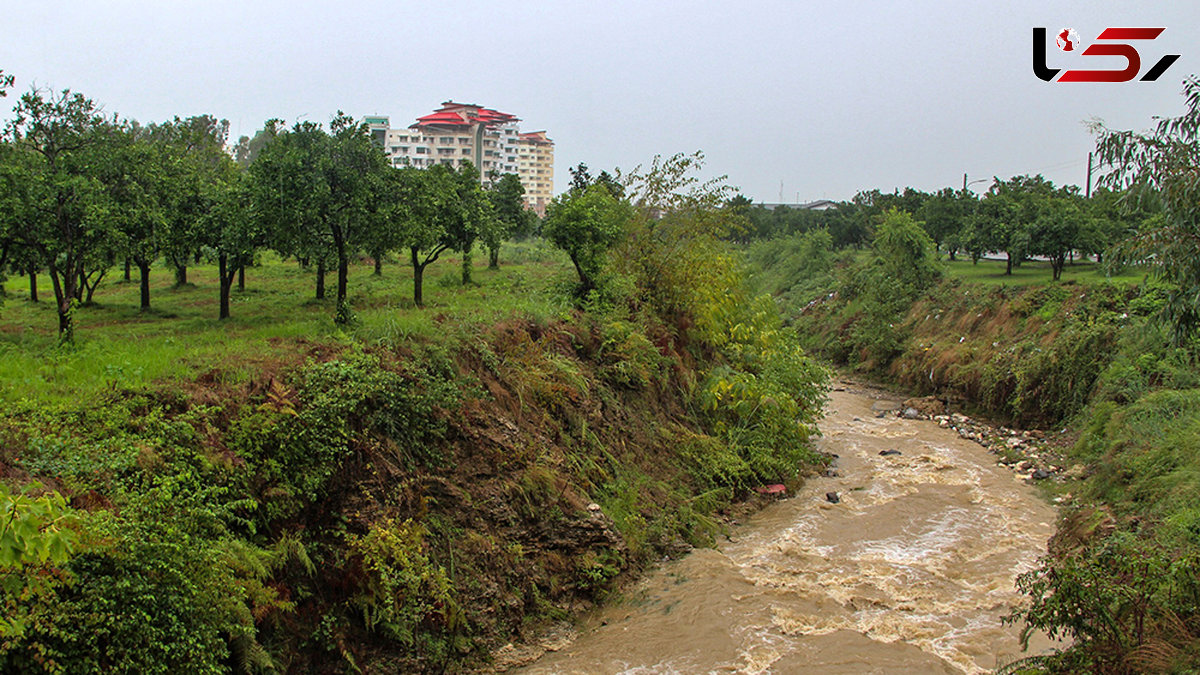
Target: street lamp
{"type": "Point", "coordinates": [977, 180]}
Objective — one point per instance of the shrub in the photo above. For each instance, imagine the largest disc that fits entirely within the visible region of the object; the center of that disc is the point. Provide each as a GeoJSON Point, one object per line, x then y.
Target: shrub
{"type": "Point", "coordinates": [297, 439]}
{"type": "Point", "coordinates": [405, 596]}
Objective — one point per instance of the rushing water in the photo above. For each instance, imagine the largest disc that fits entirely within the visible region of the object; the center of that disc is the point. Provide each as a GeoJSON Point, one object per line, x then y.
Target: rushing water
{"type": "Point", "coordinates": [909, 573]}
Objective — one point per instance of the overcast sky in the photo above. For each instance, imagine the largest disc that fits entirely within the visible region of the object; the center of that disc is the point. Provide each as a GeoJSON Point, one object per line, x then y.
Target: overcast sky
{"type": "Point", "coordinates": [823, 98]}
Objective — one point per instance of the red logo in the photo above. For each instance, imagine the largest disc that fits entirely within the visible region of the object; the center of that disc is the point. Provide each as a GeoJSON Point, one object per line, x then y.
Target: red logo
{"type": "Point", "coordinates": [1068, 40]}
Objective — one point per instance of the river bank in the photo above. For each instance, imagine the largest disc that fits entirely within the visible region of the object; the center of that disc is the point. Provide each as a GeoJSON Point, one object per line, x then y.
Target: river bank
{"type": "Point", "coordinates": [901, 558]}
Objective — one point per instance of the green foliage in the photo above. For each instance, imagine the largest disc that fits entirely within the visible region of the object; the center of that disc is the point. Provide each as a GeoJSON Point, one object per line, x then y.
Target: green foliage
{"type": "Point", "coordinates": [37, 536]}
{"type": "Point", "coordinates": [511, 217]}
{"type": "Point", "coordinates": [297, 440]}
{"type": "Point", "coordinates": [1158, 171]}
{"type": "Point", "coordinates": [1124, 604]}
{"type": "Point", "coordinates": [405, 596]}
{"type": "Point", "coordinates": [766, 401]}
{"type": "Point", "coordinates": [796, 270]}
{"type": "Point", "coordinates": [630, 359]}
{"type": "Point", "coordinates": [596, 572]}
{"type": "Point", "coordinates": [49, 177]}
{"type": "Point", "coordinates": [906, 254]}
{"type": "Point", "coordinates": [1147, 458]}
{"type": "Point", "coordinates": [586, 225]}
{"type": "Point", "coordinates": [159, 588]}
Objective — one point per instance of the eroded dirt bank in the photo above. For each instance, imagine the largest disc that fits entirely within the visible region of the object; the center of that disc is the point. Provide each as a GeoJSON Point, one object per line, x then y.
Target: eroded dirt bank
{"type": "Point", "coordinates": [908, 572]}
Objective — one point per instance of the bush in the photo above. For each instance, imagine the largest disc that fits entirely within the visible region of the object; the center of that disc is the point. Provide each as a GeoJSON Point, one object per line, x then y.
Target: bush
{"type": "Point", "coordinates": [1124, 604]}
{"type": "Point", "coordinates": [152, 590]}
{"type": "Point", "coordinates": [405, 596]}
{"type": "Point", "coordinates": [297, 438]}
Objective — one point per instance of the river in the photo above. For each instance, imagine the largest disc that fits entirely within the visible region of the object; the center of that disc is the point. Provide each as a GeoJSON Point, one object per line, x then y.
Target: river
{"type": "Point", "coordinates": [909, 572]}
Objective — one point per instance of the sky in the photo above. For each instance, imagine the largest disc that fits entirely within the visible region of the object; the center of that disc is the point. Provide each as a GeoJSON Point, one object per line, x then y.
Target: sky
{"type": "Point", "coordinates": [793, 101]}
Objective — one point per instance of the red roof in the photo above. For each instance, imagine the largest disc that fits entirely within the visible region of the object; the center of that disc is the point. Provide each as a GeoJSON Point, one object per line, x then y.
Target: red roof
{"type": "Point", "coordinates": [464, 114]}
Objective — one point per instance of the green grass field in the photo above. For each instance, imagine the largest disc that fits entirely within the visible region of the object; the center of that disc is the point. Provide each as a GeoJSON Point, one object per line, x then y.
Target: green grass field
{"type": "Point", "coordinates": [117, 345]}
{"type": "Point", "coordinates": [1031, 272]}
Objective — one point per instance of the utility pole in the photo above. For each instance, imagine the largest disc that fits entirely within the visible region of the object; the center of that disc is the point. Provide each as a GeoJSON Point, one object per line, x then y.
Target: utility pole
{"type": "Point", "coordinates": [964, 182]}
{"type": "Point", "coordinates": [1089, 177]}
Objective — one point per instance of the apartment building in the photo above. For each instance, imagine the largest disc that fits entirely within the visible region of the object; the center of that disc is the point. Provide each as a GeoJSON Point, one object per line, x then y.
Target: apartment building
{"type": "Point", "coordinates": [458, 133]}
{"type": "Point", "coordinates": [535, 167]}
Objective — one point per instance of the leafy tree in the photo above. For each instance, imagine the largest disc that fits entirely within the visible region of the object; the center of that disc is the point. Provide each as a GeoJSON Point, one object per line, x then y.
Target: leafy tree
{"type": "Point", "coordinates": [907, 254]}
{"type": "Point", "coordinates": [1058, 227]}
{"type": "Point", "coordinates": [135, 178]}
{"type": "Point", "coordinates": [586, 224]}
{"type": "Point", "coordinates": [946, 214]}
{"type": "Point", "coordinates": [353, 173]}
{"type": "Point", "coordinates": [288, 190]}
{"type": "Point", "coordinates": [313, 191]}
{"type": "Point", "coordinates": [56, 138]}
{"type": "Point", "coordinates": [1004, 217]}
{"type": "Point", "coordinates": [230, 229]}
{"type": "Point", "coordinates": [1158, 169]}
{"type": "Point", "coordinates": [676, 216]}
{"type": "Point", "coordinates": [417, 207]}
{"type": "Point", "coordinates": [470, 218]}
{"type": "Point", "coordinates": [511, 216]}
{"type": "Point", "coordinates": [196, 147]}
{"type": "Point", "coordinates": [246, 150]}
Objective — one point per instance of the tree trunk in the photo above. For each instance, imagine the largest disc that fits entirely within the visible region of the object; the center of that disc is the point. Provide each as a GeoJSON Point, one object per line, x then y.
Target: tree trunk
{"type": "Point", "coordinates": [91, 288]}
{"type": "Point", "coordinates": [585, 281]}
{"type": "Point", "coordinates": [466, 267]}
{"type": "Point", "coordinates": [418, 278]}
{"type": "Point", "coordinates": [342, 312]}
{"type": "Point", "coordinates": [128, 265]}
{"type": "Point", "coordinates": [64, 296]}
{"type": "Point", "coordinates": [378, 264]}
{"type": "Point", "coordinates": [320, 279]}
{"type": "Point", "coordinates": [343, 271]}
{"type": "Point", "coordinates": [494, 258]}
{"type": "Point", "coordinates": [144, 270]}
{"type": "Point", "coordinates": [66, 323]}
{"type": "Point", "coordinates": [242, 277]}
{"type": "Point", "coordinates": [180, 274]}
{"type": "Point", "coordinates": [33, 285]}
{"type": "Point", "coordinates": [226, 280]}
{"type": "Point", "coordinates": [1008, 268]}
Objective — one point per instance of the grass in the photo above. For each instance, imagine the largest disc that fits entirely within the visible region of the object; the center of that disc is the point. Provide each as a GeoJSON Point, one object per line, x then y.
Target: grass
{"type": "Point", "coordinates": [991, 272]}
{"type": "Point", "coordinates": [119, 346]}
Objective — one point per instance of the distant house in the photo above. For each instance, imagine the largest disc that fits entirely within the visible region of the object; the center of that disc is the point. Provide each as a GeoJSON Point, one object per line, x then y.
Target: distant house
{"type": "Point", "coordinates": [819, 205]}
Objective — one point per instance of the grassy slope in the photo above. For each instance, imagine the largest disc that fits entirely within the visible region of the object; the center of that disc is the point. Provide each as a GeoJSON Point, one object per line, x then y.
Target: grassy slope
{"type": "Point", "coordinates": [554, 410]}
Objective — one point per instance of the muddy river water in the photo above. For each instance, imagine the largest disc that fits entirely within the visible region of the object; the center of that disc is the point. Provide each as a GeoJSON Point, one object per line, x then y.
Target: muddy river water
{"type": "Point", "coordinates": [909, 572]}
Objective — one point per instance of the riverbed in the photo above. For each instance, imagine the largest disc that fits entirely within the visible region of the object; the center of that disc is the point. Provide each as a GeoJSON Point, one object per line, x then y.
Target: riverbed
{"type": "Point", "coordinates": [901, 562]}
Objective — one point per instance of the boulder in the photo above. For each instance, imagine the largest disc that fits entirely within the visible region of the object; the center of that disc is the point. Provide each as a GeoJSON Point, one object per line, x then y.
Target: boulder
{"type": "Point", "coordinates": [926, 405]}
